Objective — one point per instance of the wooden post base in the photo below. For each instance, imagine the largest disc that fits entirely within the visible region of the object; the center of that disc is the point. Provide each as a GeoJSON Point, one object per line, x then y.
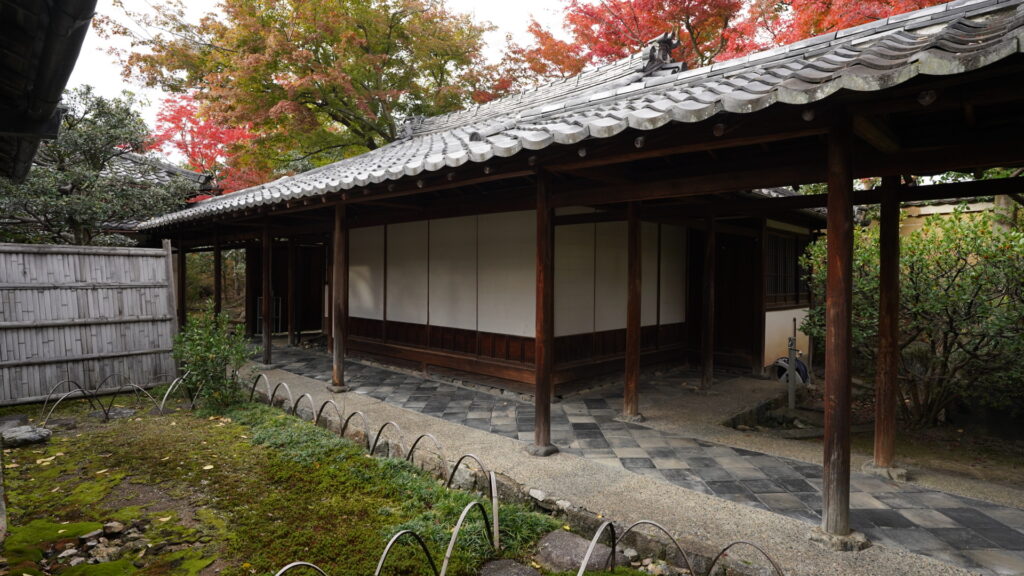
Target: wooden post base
{"type": "Point", "coordinates": [542, 451]}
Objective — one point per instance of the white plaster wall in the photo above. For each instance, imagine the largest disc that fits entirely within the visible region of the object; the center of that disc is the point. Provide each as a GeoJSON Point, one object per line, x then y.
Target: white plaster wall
{"type": "Point", "coordinates": [407, 272]}
{"type": "Point", "coordinates": [648, 274]}
{"type": "Point", "coordinates": [507, 273]}
{"type": "Point", "coordinates": [673, 274]}
{"type": "Point", "coordinates": [574, 279]}
{"type": "Point", "coordinates": [778, 327]}
{"type": "Point", "coordinates": [610, 277]}
{"type": "Point", "coordinates": [453, 272]}
{"type": "Point", "coordinates": [366, 273]}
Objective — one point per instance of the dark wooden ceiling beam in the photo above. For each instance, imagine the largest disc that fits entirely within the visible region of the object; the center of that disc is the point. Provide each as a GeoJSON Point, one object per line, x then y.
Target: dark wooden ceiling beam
{"type": "Point", "coordinates": [719, 133]}
{"type": "Point", "coordinates": [875, 132]}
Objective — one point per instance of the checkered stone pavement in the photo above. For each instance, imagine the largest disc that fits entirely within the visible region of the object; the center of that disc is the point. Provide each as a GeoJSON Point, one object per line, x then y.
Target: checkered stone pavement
{"type": "Point", "coordinates": [985, 538]}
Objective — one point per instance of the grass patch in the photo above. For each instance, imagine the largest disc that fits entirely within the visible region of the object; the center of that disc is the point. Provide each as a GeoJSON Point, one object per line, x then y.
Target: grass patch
{"type": "Point", "coordinates": [257, 490]}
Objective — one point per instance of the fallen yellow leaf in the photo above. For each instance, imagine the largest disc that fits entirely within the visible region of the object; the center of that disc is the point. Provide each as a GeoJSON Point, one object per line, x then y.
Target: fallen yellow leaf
{"type": "Point", "coordinates": [104, 471]}
{"type": "Point", "coordinates": [11, 465]}
{"type": "Point", "coordinates": [164, 519]}
{"type": "Point", "coordinates": [208, 467]}
{"type": "Point", "coordinates": [61, 531]}
{"type": "Point", "coordinates": [165, 458]}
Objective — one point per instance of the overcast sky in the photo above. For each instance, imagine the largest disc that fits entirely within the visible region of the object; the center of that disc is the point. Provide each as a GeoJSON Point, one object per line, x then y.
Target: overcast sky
{"type": "Point", "coordinates": [99, 69]}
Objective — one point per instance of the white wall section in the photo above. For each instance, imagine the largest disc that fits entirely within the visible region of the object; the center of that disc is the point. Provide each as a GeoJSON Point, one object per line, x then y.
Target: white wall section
{"type": "Point", "coordinates": [479, 273]}
{"type": "Point", "coordinates": [407, 272]}
{"type": "Point", "coordinates": [778, 327]}
{"type": "Point", "coordinates": [453, 272]}
{"type": "Point", "coordinates": [366, 273]}
{"type": "Point", "coordinates": [574, 279]}
{"type": "Point", "coordinates": [507, 273]}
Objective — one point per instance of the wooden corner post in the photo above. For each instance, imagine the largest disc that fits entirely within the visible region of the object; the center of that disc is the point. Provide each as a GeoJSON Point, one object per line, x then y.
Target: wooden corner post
{"type": "Point", "coordinates": [707, 340]}
{"type": "Point", "coordinates": [250, 289]}
{"type": "Point", "coordinates": [266, 307]}
{"type": "Point", "coordinates": [630, 397]}
{"type": "Point", "coordinates": [292, 264]}
{"type": "Point", "coordinates": [339, 297]}
{"type": "Point", "coordinates": [545, 322]}
{"type": "Point", "coordinates": [218, 275]}
{"type": "Point", "coordinates": [838, 292]}
{"type": "Point", "coordinates": [888, 324]}
{"type": "Point", "coordinates": [182, 286]}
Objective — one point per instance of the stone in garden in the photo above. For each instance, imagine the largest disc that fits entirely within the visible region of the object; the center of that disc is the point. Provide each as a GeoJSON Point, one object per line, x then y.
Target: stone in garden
{"type": "Point", "coordinates": [12, 421]}
{"type": "Point", "coordinates": [113, 528]}
{"type": "Point", "coordinates": [24, 435]}
{"type": "Point", "coordinates": [562, 551]}
{"type": "Point", "coordinates": [67, 553]}
{"type": "Point", "coordinates": [76, 561]}
{"type": "Point", "coordinates": [116, 413]}
{"type": "Point", "coordinates": [105, 553]}
{"type": "Point", "coordinates": [506, 567]}
{"type": "Point", "coordinates": [90, 536]}
{"type": "Point", "coordinates": [61, 424]}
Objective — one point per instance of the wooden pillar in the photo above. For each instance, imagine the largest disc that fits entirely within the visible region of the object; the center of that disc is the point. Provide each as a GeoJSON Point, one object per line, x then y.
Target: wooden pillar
{"type": "Point", "coordinates": [339, 296]}
{"type": "Point", "coordinates": [760, 289]}
{"type": "Point", "coordinates": [545, 322]}
{"type": "Point", "coordinates": [172, 299]}
{"type": "Point", "coordinates": [218, 276]}
{"type": "Point", "coordinates": [251, 287]}
{"type": "Point", "coordinates": [266, 310]}
{"type": "Point", "coordinates": [838, 293]}
{"type": "Point", "coordinates": [327, 322]}
{"type": "Point", "coordinates": [630, 398]}
{"type": "Point", "coordinates": [182, 286]}
{"type": "Point", "coordinates": [888, 324]}
{"type": "Point", "coordinates": [292, 323]}
{"type": "Point", "coordinates": [707, 341]}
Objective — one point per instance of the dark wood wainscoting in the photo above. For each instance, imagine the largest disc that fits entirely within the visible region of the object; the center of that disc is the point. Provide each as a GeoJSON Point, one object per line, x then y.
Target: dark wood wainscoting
{"type": "Point", "coordinates": [507, 356]}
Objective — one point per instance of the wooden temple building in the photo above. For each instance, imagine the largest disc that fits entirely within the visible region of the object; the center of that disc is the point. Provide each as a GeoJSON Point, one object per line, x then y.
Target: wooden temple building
{"type": "Point", "coordinates": [637, 212]}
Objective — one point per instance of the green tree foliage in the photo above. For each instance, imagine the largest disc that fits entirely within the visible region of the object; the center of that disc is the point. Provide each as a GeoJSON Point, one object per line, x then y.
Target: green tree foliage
{"type": "Point", "coordinates": [211, 351]}
{"type": "Point", "coordinates": [79, 190]}
{"type": "Point", "coordinates": [316, 79]}
{"type": "Point", "coordinates": [961, 312]}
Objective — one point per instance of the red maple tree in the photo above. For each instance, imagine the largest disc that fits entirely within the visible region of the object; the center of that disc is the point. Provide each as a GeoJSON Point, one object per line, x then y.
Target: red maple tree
{"type": "Point", "coordinates": [601, 31]}
{"type": "Point", "coordinates": [207, 146]}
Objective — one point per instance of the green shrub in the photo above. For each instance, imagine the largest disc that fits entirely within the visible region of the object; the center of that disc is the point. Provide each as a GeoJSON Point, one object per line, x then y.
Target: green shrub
{"type": "Point", "coordinates": [961, 313]}
{"type": "Point", "coordinates": [212, 352]}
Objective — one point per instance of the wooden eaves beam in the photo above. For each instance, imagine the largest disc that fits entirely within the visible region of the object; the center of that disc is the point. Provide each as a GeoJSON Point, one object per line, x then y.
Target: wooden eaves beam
{"type": "Point", "coordinates": [947, 191]}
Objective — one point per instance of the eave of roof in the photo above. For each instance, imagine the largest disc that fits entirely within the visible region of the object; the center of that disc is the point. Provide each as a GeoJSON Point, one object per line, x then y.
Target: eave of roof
{"type": "Point", "coordinates": [39, 44]}
{"type": "Point", "coordinates": [947, 39]}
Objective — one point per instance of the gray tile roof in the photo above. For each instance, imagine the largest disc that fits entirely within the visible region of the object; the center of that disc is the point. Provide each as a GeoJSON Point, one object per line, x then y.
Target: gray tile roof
{"type": "Point", "coordinates": [154, 171]}
{"type": "Point", "coordinates": [941, 40]}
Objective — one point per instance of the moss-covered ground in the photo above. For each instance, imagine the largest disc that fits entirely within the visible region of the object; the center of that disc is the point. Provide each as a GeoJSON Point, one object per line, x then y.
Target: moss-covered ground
{"type": "Point", "coordinates": [244, 494]}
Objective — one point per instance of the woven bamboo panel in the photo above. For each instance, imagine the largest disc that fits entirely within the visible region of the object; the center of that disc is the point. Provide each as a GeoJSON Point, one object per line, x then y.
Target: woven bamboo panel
{"type": "Point", "coordinates": [85, 314]}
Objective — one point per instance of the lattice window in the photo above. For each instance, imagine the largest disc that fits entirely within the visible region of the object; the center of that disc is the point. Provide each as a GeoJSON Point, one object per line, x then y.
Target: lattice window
{"type": "Point", "coordinates": [784, 278]}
